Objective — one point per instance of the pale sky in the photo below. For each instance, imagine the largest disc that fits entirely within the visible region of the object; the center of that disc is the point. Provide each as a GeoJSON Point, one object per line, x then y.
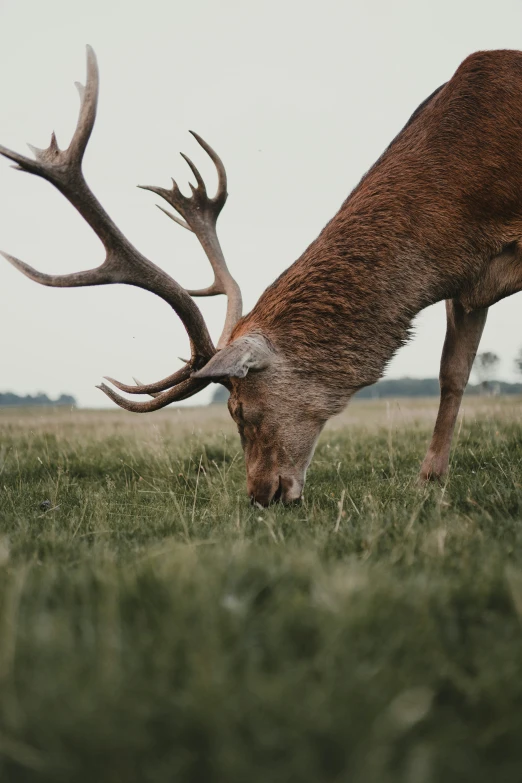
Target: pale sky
{"type": "Point", "coordinates": [299, 98]}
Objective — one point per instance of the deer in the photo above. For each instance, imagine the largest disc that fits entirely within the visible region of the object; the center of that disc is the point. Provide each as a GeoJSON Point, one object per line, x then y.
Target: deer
{"type": "Point", "coordinates": [438, 217]}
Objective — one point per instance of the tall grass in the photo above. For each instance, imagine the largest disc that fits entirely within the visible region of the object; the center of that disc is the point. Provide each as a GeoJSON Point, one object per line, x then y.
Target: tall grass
{"type": "Point", "coordinates": [156, 627]}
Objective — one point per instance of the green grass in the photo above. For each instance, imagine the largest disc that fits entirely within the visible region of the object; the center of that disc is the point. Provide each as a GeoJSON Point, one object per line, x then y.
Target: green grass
{"type": "Point", "coordinates": [155, 627]}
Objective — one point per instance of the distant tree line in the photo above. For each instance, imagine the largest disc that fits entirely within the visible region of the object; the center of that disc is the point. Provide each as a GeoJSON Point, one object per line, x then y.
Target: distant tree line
{"type": "Point", "coordinates": [429, 387]}
{"type": "Point", "coordinates": [10, 399]}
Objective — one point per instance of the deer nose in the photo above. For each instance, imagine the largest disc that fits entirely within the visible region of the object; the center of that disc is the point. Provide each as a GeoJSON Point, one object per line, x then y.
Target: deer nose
{"type": "Point", "coordinates": [263, 492]}
{"type": "Point", "coordinates": [264, 489]}
{"type": "Point", "coordinates": [285, 489]}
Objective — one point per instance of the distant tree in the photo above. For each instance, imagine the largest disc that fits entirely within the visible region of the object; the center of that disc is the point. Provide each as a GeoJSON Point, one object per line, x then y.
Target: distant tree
{"type": "Point", "coordinates": [65, 399]}
{"type": "Point", "coordinates": [518, 362]}
{"type": "Point", "coordinates": [485, 368]}
{"type": "Point", "coordinates": [220, 395]}
{"type": "Point", "coordinates": [39, 399]}
{"type": "Point", "coordinates": [401, 387]}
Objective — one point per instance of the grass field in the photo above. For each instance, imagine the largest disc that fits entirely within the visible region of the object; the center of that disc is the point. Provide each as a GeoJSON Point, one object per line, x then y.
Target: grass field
{"type": "Point", "coordinates": [155, 627]}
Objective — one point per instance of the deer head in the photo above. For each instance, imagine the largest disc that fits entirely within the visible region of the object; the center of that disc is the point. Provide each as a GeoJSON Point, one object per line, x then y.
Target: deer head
{"type": "Point", "coordinates": [278, 417]}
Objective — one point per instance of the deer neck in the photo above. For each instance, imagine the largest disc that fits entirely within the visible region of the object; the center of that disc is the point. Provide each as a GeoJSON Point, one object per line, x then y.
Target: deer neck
{"type": "Point", "coordinates": [343, 309]}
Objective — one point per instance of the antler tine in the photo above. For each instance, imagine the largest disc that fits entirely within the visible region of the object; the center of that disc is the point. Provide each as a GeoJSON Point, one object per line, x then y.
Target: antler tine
{"type": "Point", "coordinates": [221, 194]}
{"type": "Point", "coordinates": [200, 213]}
{"type": "Point", "coordinates": [95, 276]}
{"type": "Point", "coordinates": [22, 163]}
{"type": "Point", "coordinates": [181, 392]}
{"type": "Point", "coordinates": [139, 383]}
{"type": "Point", "coordinates": [175, 218]}
{"type": "Point", "coordinates": [151, 388]}
{"type": "Point", "coordinates": [89, 105]}
{"type": "Point", "coordinates": [199, 179]}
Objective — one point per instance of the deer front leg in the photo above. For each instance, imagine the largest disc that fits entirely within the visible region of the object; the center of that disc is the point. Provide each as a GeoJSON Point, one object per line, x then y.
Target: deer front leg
{"type": "Point", "coordinates": [464, 330]}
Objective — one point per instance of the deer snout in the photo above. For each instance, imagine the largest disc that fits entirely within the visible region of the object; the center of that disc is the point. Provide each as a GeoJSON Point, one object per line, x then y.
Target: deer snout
{"type": "Point", "coordinates": [286, 489]}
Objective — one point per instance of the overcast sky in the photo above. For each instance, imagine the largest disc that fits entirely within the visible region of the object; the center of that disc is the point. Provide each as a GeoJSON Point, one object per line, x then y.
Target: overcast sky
{"type": "Point", "coordinates": [298, 97]}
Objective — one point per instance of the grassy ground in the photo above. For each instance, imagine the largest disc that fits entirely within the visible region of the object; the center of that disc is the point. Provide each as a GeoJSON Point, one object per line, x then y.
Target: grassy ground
{"type": "Point", "coordinates": [154, 627]}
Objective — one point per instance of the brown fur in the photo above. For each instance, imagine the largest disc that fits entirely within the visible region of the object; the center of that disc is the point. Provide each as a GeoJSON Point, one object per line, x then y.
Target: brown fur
{"type": "Point", "coordinates": [437, 217]}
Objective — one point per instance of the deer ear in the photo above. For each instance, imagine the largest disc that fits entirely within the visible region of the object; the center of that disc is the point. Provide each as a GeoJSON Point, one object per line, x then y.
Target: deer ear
{"type": "Point", "coordinates": [251, 352]}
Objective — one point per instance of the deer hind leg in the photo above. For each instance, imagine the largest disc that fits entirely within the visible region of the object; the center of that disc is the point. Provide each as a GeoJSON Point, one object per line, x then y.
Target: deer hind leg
{"type": "Point", "coordinates": [464, 330]}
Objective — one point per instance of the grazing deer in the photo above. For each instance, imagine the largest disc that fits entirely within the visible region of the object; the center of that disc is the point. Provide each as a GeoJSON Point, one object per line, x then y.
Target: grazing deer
{"type": "Point", "coordinates": [439, 216]}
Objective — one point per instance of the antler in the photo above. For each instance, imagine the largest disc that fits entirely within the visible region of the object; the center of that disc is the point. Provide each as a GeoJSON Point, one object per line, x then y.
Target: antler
{"type": "Point", "coordinates": [123, 263]}
{"type": "Point", "coordinates": [200, 214]}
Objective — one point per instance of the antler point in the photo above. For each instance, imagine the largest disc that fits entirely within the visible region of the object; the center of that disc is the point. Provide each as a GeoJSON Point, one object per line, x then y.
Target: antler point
{"type": "Point", "coordinates": [81, 89]}
{"type": "Point", "coordinates": [91, 55]}
{"type": "Point", "coordinates": [175, 218]}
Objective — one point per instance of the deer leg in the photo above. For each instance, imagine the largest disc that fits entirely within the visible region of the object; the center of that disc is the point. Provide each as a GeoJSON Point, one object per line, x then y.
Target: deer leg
{"type": "Point", "coordinates": [463, 333]}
